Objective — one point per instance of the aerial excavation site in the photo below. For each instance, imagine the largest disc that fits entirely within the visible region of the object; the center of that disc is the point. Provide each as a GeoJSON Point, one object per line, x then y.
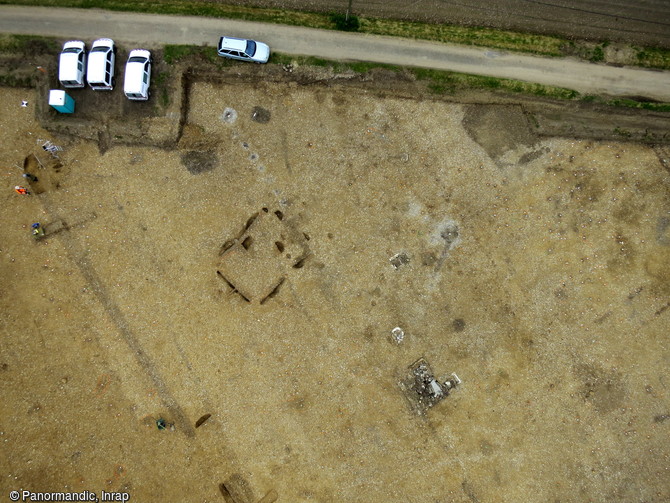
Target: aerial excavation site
{"type": "Point", "coordinates": [298, 283]}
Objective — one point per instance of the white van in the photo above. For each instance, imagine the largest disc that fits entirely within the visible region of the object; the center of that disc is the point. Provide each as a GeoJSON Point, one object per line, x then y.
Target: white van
{"type": "Point", "coordinates": [101, 65]}
{"type": "Point", "coordinates": [138, 75]}
{"type": "Point", "coordinates": [72, 64]}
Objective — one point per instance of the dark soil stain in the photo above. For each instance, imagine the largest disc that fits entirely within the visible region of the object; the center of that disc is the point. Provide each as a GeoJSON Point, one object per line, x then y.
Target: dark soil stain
{"type": "Point", "coordinates": [197, 161]}
{"type": "Point", "coordinates": [498, 128]}
{"type": "Point", "coordinates": [586, 189]}
{"type": "Point", "coordinates": [226, 493]}
{"type": "Point", "coordinates": [604, 389]}
{"type": "Point", "coordinates": [261, 115]}
{"type": "Point", "coordinates": [485, 447]}
{"type": "Point", "coordinates": [202, 420]}
{"type": "Point", "coordinates": [449, 234]}
{"type": "Point", "coordinates": [630, 211]}
{"type": "Point", "coordinates": [531, 156]}
{"type": "Point", "coordinates": [469, 491]}
{"type": "Point", "coordinates": [624, 256]}
{"type": "Point", "coordinates": [428, 258]}
{"type": "Point", "coordinates": [635, 293]}
{"type": "Point", "coordinates": [236, 489]}
{"type": "Point", "coordinates": [458, 325]}
{"type": "Point", "coordinates": [663, 231]}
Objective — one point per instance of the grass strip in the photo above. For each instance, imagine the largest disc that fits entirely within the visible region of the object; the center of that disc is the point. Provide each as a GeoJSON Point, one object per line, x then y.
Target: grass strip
{"type": "Point", "coordinates": [441, 82]}
{"type": "Point", "coordinates": [27, 44]}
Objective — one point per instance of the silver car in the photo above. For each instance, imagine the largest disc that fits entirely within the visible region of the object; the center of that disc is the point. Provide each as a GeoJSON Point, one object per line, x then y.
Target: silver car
{"type": "Point", "coordinates": [242, 49]}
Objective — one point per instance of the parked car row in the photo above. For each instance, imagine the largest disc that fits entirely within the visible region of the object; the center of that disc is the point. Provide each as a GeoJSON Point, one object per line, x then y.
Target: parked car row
{"type": "Point", "coordinates": [73, 72]}
{"type": "Point", "coordinates": [75, 69]}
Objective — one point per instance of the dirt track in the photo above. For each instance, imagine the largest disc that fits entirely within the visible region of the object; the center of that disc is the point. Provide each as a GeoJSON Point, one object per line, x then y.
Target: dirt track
{"type": "Point", "coordinates": [158, 30]}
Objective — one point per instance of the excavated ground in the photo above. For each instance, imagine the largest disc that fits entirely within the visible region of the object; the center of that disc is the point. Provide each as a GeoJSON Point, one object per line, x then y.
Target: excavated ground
{"type": "Point", "coordinates": [243, 270]}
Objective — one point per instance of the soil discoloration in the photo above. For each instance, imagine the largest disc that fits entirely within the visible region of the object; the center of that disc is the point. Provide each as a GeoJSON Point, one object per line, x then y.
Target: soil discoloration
{"type": "Point", "coordinates": [261, 115]}
{"type": "Point", "coordinates": [604, 389]}
{"type": "Point", "coordinates": [499, 129]}
{"type": "Point", "coordinates": [197, 162]}
{"type": "Point", "coordinates": [458, 325]}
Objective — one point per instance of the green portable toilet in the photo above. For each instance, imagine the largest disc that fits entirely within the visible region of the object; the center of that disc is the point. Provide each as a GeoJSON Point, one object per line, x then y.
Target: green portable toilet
{"type": "Point", "coordinates": [61, 101]}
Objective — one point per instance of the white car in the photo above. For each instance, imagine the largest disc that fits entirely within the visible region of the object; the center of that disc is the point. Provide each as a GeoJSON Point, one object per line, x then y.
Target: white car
{"type": "Point", "coordinates": [72, 64]}
{"type": "Point", "coordinates": [101, 65]}
{"type": "Point", "coordinates": [138, 75]}
{"type": "Point", "coordinates": [245, 50]}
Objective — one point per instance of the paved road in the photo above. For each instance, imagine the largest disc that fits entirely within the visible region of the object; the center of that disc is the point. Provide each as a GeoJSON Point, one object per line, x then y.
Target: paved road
{"type": "Point", "coordinates": [641, 22]}
{"type": "Point", "coordinates": [154, 30]}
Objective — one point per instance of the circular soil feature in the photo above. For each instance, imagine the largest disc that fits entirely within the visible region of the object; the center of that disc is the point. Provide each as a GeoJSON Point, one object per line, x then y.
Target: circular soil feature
{"type": "Point", "coordinates": [229, 115]}
{"type": "Point", "coordinates": [198, 161]}
{"type": "Point", "coordinates": [458, 325]}
{"type": "Point", "coordinates": [450, 234]}
{"type": "Point", "coordinates": [260, 114]}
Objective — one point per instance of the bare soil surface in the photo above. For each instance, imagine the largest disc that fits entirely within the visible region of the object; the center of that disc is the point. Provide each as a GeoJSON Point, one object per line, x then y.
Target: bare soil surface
{"type": "Point", "coordinates": [644, 23]}
{"type": "Point", "coordinates": [235, 253]}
